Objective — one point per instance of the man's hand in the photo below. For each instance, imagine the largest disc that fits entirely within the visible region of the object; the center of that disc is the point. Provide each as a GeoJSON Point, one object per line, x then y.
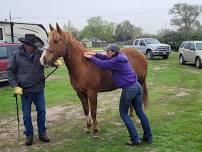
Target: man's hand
{"type": "Point", "coordinates": [87, 55]}
{"type": "Point", "coordinates": [18, 90]}
{"type": "Point", "coordinates": [57, 63]}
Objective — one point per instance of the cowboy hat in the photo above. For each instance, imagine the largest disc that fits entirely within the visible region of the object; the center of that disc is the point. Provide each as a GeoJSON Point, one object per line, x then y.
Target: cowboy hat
{"type": "Point", "coordinates": [32, 39]}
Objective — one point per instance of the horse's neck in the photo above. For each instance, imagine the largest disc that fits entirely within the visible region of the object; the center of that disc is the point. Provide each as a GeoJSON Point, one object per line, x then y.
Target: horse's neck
{"type": "Point", "coordinates": [74, 58]}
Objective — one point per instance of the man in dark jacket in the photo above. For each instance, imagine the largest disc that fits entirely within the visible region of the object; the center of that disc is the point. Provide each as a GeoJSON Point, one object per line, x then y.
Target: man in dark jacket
{"type": "Point", "coordinates": [24, 71]}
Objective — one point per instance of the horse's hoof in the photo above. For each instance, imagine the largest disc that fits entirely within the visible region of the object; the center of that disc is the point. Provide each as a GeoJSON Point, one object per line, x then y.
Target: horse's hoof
{"type": "Point", "coordinates": [95, 135]}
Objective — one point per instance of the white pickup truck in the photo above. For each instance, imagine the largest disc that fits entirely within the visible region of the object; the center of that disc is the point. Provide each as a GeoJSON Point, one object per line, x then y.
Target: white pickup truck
{"type": "Point", "coordinates": [151, 47]}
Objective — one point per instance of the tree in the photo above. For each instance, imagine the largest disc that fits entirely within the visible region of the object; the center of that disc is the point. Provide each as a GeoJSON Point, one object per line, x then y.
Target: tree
{"type": "Point", "coordinates": [108, 32]}
{"type": "Point", "coordinates": [98, 28]}
{"type": "Point", "coordinates": [185, 16]}
{"type": "Point", "coordinates": [126, 31]}
{"type": "Point", "coordinates": [175, 38]}
{"type": "Point", "coordinates": [70, 28]}
{"type": "Point", "coordinates": [199, 30]}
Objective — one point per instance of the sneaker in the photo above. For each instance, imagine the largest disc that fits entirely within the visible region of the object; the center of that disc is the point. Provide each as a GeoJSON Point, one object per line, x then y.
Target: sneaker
{"type": "Point", "coordinates": [147, 141]}
{"type": "Point", "coordinates": [29, 141]}
{"type": "Point", "coordinates": [132, 143]}
{"type": "Point", "coordinates": [44, 138]}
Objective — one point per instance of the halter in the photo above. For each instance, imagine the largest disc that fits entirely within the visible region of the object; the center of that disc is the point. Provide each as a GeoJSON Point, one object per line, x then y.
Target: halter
{"type": "Point", "coordinates": [64, 51]}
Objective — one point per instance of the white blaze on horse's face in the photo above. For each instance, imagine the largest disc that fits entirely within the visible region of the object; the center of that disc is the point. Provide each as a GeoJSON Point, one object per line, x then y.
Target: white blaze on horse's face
{"type": "Point", "coordinates": [44, 54]}
{"type": "Point", "coordinates": [47, 57]}
{"type": "Point", "coordinates": [42, 58]}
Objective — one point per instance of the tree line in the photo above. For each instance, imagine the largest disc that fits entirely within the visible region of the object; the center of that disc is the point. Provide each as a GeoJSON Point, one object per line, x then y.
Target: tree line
{"type": "Point", "coordinates": [184, 18]}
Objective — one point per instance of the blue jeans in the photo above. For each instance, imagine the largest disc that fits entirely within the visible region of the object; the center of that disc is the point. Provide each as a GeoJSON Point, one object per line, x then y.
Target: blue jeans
{"type": "Point", "coordinates": [133, 95]}
{"type": "Point", "coordinates": [39, 101]}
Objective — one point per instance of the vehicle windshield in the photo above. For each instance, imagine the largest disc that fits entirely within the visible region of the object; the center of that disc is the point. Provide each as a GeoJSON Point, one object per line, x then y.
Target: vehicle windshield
{"type": "Point", "coordinates": [152, 41]}
{"type": "Point", "coordinates": [199, 46]}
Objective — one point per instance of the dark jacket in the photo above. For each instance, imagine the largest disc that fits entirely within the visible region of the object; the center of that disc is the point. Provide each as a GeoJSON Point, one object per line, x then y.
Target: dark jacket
{"type": "Point", "coordinates": [25, 70]}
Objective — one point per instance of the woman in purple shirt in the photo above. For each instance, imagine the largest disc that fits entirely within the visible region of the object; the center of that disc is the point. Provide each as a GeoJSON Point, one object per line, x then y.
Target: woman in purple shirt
{"type": "Point", "coordinates": [125, 78]}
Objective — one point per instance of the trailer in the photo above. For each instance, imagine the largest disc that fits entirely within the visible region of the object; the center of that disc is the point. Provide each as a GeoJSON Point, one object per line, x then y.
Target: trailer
{"type": "Point", "coordinates": [11, 31]}
{"type": "Point", "coordinates": [9, 34]}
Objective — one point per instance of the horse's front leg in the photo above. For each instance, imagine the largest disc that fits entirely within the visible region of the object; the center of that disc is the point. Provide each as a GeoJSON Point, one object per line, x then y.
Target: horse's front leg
{"type": "Point", "coordinates": [92, 95]}
{"type": "Point", "coordinates": [84, 100]}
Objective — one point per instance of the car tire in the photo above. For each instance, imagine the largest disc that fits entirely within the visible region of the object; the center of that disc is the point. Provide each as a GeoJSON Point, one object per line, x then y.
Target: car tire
{"type": "Point", "coordinates": [165, 56]}
{"type": "Point", "coordinates": [198, 63]}
{"type": "Point", "coordinates": [181, 59]}
{"type": "Point", "coordinates": [149, 55]}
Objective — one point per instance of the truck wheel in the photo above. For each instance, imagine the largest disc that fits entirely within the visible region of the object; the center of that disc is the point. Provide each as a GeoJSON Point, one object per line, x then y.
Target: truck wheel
{"type": "Point", "coordinates": [181, 60]}
{"type": "Point", "coordinates": [165, 56]}
{"type": "Point", "coordinates": [149, 55]}
{"type": "Point", "coordinates": [198, 63]}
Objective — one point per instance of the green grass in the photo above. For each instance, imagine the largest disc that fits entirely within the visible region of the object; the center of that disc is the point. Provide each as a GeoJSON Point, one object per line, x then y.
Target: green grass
{"type": "Point", "coordinates": [175, 113]}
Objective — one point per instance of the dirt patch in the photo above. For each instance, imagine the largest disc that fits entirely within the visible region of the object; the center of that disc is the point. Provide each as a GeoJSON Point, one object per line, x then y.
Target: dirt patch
{"type": "Point", "coordinates": [180, 92]}
{"type": "Point", "coordinates": [183, 92]}
{"type": "Point", "coordinates": [159, 68]}
{"type": "Point", "coordinates": [53, 77]}
{"type": "Point", "coordinates": [170, 113]}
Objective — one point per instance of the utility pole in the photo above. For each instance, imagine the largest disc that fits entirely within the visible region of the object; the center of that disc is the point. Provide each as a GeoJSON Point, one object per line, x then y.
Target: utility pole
{"type": "Point", "coordinates": [11, 25]}
{"type": "Point", "coordinates": [10, 18]}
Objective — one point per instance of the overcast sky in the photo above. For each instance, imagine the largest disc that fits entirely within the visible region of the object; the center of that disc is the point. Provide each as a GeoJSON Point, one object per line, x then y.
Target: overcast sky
{"type": "Point", "coordinates": [150, 15]}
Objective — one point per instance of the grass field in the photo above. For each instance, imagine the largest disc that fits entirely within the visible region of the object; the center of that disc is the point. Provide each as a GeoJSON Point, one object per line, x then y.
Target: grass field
{"type": "Point", "coordinates": [175, 114]}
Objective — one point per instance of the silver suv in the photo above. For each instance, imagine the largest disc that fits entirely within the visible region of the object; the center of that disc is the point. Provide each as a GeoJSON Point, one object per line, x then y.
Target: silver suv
{"type": "Point", "coordinates": [191, 51]}
{"type": "Point", "coordinates": [152, 47]}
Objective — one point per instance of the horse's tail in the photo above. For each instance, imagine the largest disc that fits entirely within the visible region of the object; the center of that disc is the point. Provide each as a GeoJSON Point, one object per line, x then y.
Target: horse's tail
{"type": "Point", "coordinates": [145, 94]}
{"type": "Point", "coordinates": [144, 98]}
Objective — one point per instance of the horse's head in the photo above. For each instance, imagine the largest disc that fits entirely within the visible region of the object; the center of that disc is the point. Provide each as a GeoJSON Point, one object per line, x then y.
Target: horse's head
{"type": "Point", "coordinates": [57, 46]}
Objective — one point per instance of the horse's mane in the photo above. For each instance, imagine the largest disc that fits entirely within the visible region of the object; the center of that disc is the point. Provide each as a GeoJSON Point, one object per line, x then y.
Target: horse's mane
{"type": "Point", "coordinates": [71, 40]}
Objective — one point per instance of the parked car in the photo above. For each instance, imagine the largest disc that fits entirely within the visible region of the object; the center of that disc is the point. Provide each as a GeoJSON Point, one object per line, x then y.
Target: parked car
{"type": "Point", "coordinates": [6, 51]}
{"type": "Point", "coordinates": [191, 51]}
{"type": "Point", "coordinates": [152, 47]}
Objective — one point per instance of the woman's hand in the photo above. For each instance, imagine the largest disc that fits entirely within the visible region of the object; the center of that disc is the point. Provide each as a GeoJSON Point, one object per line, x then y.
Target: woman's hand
{"type": "Point", "coordinates": [90, 53]}
{"type": "Point", "coordinates": [87, 55]}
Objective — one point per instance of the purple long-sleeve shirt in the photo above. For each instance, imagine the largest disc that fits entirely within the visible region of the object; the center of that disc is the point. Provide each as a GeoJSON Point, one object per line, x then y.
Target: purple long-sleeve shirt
{"type": "Point", "coordinates": [122, 71]}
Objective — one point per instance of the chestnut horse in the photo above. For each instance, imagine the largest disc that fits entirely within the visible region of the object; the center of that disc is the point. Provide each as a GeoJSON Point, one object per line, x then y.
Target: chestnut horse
{"type": "Point", "coordinates": [86, 78]}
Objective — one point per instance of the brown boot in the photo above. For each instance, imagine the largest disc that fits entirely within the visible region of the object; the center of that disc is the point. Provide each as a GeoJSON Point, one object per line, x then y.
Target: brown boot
{"type": "Point", "coordinates": [44, 138]}
{"type": "Point", "coordinates": [29, 141]}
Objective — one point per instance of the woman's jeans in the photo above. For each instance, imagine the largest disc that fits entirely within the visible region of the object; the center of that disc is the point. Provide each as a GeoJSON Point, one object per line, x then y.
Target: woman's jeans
{"type": "Point", "coordinates": [39, 101]}
{"type": "Point", "coordinates": [133, 95]}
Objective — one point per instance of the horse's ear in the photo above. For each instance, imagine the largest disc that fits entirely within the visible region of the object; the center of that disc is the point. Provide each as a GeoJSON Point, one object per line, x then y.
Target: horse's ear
{"type": "Point", "coordinates": [58, 28]}
{"type": "Point", "coordinates": [51, 28]}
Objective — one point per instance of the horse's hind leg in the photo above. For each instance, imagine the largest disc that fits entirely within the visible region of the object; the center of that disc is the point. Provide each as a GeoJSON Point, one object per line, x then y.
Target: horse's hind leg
{"type": "Point", "coordinates": [133, 115]}
{"type": "Point", "coordinates": [84, 100]}
{"type": "Point", "coordinates": [92, 95]}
